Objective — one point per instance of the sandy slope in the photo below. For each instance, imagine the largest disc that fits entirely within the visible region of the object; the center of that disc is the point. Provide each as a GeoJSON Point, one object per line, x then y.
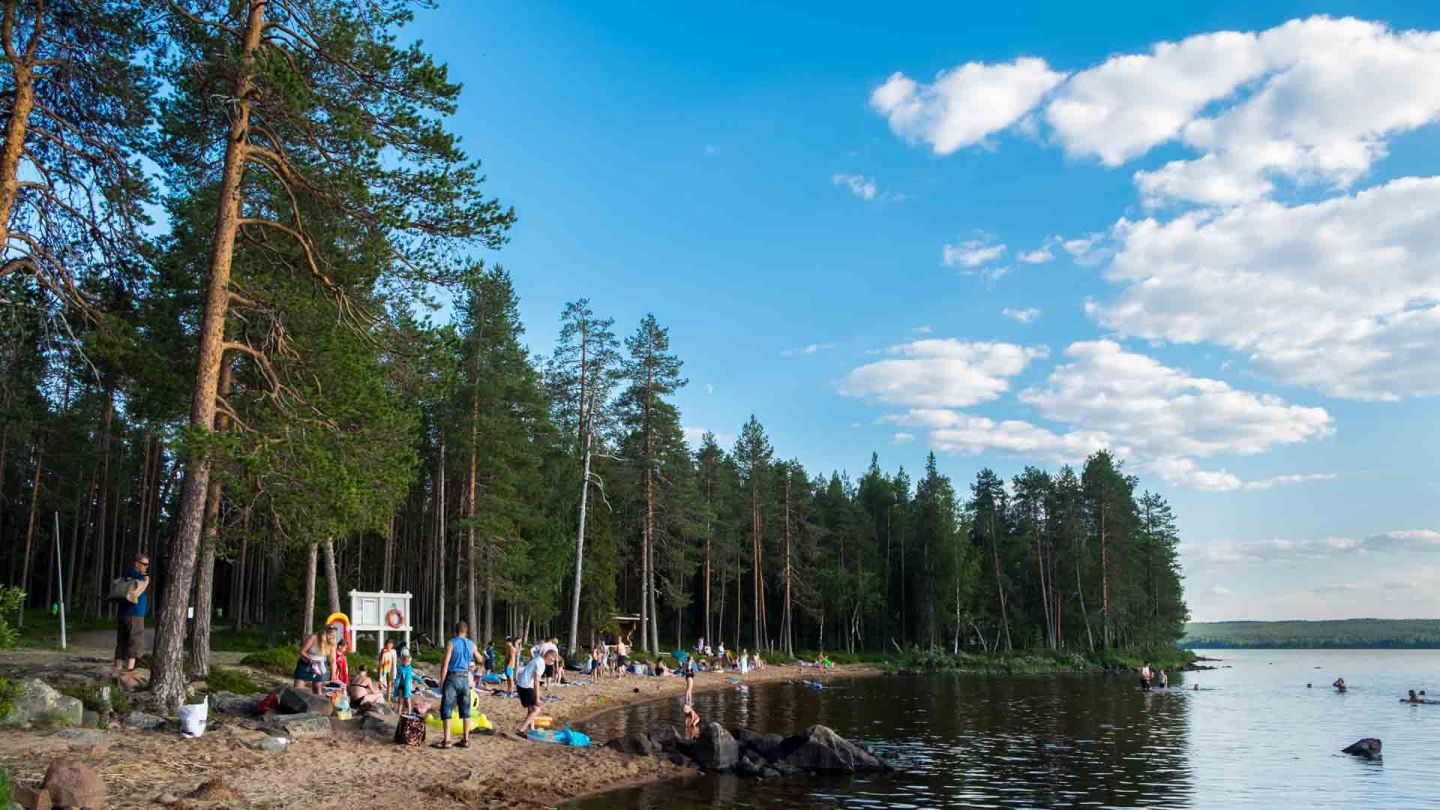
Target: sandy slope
{"type": "Point", "coordinates": [144, 769]}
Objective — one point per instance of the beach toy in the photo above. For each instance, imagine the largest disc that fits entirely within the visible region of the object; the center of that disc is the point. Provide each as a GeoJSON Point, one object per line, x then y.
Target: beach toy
{"type": "Point", "coordinates": [564, 736]}
{"type": "Point", "coordinates": [457, 726]}
{"type": "Point", "coordinates": [544, 721]}
{"type": "Point", "coordinates": [341, 622]}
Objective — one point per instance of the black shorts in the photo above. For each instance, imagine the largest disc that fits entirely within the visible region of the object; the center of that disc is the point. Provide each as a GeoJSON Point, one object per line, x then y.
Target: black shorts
{"type": "Point", "coordinates": [689, 675]}
{"type": "Point", "coordinates": [623, 661]}
{"type": "Point", "coordinates": [528, 698]}
{"type": "Point", "coordinates": [549, 670]}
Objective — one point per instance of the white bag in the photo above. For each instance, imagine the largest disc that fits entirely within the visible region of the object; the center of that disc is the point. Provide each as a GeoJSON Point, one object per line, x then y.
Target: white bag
{"type": "Point", "coordinates": [193, 717]}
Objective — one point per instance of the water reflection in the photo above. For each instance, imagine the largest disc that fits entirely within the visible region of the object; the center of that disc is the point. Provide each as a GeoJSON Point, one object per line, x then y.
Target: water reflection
{"type": "Point", "coordinates": [963, 741]}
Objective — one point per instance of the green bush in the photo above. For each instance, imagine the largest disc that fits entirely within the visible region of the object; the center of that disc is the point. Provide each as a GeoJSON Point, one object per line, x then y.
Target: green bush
{"type": "Point", "coordinates": [6, 788]}
{"type": "Point", "coordinates": [229, 680]}
{"type": "Point", "coordinates": [52, 718]}
{"type": "Point", "coordinates": [10, 601]}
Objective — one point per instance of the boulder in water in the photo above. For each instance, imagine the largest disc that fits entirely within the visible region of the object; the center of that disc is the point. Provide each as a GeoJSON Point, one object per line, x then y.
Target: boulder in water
{"type": "Point", "coordinates": [716, 750]}
{"type": "Point", "coordinates": [634, 743]}
{"type": "Point", "coordinates": [1369, 748]}
{"type": "Point", "coordinates": [818, 748]}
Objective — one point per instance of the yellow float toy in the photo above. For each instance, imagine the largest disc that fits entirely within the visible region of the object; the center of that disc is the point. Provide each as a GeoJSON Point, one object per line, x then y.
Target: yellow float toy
{"type": "Point", "coordinates": [457, 726]}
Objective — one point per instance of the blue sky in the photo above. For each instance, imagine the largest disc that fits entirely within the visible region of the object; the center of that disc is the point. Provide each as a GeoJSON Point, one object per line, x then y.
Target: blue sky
{"type": "Point", "coordinates": [1216, 250]}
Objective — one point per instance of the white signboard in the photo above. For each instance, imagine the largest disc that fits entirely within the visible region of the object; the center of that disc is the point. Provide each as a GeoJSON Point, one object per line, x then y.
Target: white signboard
{"type": "Point", "coordinates": [380, 612]}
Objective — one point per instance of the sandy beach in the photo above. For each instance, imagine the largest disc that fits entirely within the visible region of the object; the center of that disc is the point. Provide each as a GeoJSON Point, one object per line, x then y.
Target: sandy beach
{"type": "Point", "coordinates": [350, 769]}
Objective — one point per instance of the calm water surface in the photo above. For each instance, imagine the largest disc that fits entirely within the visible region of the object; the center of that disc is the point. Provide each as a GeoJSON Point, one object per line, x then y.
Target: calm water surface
{"type": "Point", "coordinates": [1253, 736]}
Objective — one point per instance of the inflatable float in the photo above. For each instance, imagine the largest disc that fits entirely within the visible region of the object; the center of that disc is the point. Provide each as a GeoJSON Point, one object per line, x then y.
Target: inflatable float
{"type": "Point", "coordinates": [564, 736]}
{"type": "Point", "coordinates": [478, 720]}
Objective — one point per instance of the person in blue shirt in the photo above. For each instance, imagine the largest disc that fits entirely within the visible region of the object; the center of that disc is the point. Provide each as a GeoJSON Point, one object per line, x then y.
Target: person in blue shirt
{"type": "Point", "coordinates": [130, 632]}
{"type": "Point", "coordinates": [455, 691]}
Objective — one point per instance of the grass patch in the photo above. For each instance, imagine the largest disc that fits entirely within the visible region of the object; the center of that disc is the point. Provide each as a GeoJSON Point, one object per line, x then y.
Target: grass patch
{"type": "Point", "coordinates": [229, 680]}
{"type": "Point", "coordinates": [9, 690]}
{"type": "Point", "coordinates": [51, 719]}
{"type": "Point", "coordinates": [274, 660]}
{"type": "Point", "coordinates": [42, 628]}
{"type": "Point", "coordinates": [7, 788]}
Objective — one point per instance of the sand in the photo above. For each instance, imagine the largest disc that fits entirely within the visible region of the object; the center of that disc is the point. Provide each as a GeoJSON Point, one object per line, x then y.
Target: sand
{"type": "Point", "coordinates": [147, 769]}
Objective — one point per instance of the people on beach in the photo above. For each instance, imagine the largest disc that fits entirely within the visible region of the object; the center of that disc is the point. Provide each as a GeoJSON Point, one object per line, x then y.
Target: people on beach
{"type": "Point", "coordinates": [512, 656]}
{"type": "Point", "coordinates": [692, 720]}
{"type": "Point", "coordinates": [1340, 685]}
{"type": "Point", "coordinates": [527, 684]}
{"type": "Point", "coordinates": [342, 664]}
{"type": "Point", "coordinates": [489, 657]}
{"type": "Point", "coordinates": [455, 690]}
{"type": "Point", "coordinates": [687, 669]}
{"type": "Point", "coordinates": [363, 692]}
{"type": "Point", "coordinates": [622, 656]}
{"type": "Point", "coordinates": [1145, 677]}
{"type": "Point", "coordinates": [130, 629]}
{"type": "Point", "coordinates": [317, 659]}
{"type": "Point", "coordinates": [404, 689]}
{"type": "Point", "coordinates": [385, 667]}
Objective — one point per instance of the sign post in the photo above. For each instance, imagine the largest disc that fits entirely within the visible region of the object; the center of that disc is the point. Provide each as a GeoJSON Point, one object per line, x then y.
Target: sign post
{"type": "Point", "coordinates": [380, 612]}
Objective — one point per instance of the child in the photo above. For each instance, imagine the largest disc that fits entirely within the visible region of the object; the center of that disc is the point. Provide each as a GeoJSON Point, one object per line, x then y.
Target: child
{"type": "Point", "coordinates": [385, 668]}
{"type": "Point", "coordinates": [692, 722]}
{"type": "Point", "coordinates": [342, 666]}
{"type": "Point", "coordinates": [404, 683]}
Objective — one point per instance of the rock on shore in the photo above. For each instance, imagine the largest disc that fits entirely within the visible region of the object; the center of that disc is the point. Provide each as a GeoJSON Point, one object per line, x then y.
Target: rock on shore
{"type": "Point", "coordinates": [743, 751]}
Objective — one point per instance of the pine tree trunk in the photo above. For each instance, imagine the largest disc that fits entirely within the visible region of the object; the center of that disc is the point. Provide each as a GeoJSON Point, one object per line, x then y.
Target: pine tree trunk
{"type": "Point", "coordinates": [311, 564]}
{"type": "Point", "coordinates": [573, 646]}
{"type": "Point", "coordinates": [440, 547]}
{"type": "Point", "coordinates": [167, 676]}
{"type": "Point", "coordinates": [472, 613]}
{"type": "Point", "coordinates": [999, 586]}
{"type": "Point", "coordinates": [204, 585]}
{"type": "Point", "coordinates": [389, 555]}
{"type": "Point", "coordinates": [332, 577]}
{"type": "Point", "coordinates": [21, 105]}
{"type": "Point", "coordinates": [1104, 575]}
{"type": "Point", "coordinates": [107, 420]}
{"type": "Point", "coordinates": [30, 529]}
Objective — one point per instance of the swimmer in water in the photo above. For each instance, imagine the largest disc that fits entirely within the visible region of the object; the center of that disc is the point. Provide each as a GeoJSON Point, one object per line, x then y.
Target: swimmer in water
{"type": "Point", "coordinates": [1340, 685]}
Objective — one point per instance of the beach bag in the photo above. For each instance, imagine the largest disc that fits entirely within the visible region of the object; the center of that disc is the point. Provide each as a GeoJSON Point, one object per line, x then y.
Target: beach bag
{"type": "Point", "coordinates": [193, 717]}
{"type": "Point", "coordinates": [410, 730]}
{"type": "Point", "coordinates": [125, 590]}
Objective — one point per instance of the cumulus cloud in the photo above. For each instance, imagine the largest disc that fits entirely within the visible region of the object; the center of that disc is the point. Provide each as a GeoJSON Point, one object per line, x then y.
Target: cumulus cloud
{"type": "Point", "coordinates": [965, 104]}
{"type": "Point", "coordinates": [1159, 419]}
{"type": "Point", "coordinates": [1338, 295]}
{"type": "Point", "coordinates": [1039, 255]}
{"type": "Point", "coordinates": [1163, 412]}
{"type": "Point", "coordinates": [1312, 102]}
{"type": "Point", "coordinates": [1250, 552]}
{"type": "Point", "coordinates": [940, 373]}
{"type": "Point", "coordinates": [1025, 315]}
{"type": "Point", "coordinates": [971, 253]}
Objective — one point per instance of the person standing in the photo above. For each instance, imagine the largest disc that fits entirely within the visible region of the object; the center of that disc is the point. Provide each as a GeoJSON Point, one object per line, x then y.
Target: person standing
{"type": "Point", "coordinates": [455, 691]}
{"type": "Point", "coordinates": [622, 656]}
{"type": "Point", "coordinates": [512, 657]}
{"type": "Point", "coordinates": [1145, 677]}
{"type": "Point", "coordinates": [527, 686]}
{"type": "Point", "coordinates": [130, 632]}
{"type": "Point", "coordinates": [317, 659]}
{"type": "Point", "coordinates": [687, 669]}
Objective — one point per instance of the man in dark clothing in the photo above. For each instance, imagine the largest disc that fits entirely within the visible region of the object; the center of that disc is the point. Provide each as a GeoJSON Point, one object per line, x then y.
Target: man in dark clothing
{"type": "Point", "coordinates": [130, 634]}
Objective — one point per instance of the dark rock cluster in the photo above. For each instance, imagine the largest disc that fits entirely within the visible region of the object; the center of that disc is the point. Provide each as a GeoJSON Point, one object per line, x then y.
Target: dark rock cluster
{"type": "Point", "coordinates": [745, 752]}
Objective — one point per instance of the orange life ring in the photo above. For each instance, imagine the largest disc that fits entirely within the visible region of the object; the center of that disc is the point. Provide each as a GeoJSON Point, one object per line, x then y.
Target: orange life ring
{"type": "Point", "coordinates": [395, 619]}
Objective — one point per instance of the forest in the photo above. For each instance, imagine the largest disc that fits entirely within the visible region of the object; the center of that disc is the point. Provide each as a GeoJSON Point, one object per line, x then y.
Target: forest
{"type": "Point", "coordinates": [1337, 634]}
{"type": "Point", "coordinates": [251, 324]}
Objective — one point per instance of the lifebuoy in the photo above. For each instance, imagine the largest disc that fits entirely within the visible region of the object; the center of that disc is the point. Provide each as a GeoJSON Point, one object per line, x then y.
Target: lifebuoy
{"type": "Point", "coordinates": [395, 619]}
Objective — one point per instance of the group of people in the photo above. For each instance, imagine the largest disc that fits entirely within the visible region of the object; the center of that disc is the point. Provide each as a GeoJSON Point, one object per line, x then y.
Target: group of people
{"type": "Point", "coordinates": [1157, 676]}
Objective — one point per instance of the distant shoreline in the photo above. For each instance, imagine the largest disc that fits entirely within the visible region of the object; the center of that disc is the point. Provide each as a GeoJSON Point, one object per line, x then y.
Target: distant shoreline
{"type": "Point", "coordinates": [1338, 634]}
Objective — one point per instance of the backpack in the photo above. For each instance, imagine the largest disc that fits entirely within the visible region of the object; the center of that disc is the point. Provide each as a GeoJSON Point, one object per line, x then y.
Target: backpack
{"type": "Point", "coordinates": [410, 730]}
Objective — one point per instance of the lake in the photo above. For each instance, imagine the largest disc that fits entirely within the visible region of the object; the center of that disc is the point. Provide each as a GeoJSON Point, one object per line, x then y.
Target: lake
{"type": "Point", "coordinates": [1253, 736]}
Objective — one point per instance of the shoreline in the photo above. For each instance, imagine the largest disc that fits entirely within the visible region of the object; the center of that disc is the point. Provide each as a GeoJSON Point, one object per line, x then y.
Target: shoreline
{"type": "Point", "coordinates": [149, 769]}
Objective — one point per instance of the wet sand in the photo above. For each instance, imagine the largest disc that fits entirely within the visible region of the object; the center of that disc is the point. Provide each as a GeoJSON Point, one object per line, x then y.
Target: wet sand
{"type": "Point", "coordinates": [147, 769]}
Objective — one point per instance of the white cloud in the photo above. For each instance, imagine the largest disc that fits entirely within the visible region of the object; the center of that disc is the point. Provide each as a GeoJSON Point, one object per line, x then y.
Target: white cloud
{"type": "Point", "coordinates": [1025, 315]}
{"type": "Point", "coordinates": [809, 348]}
{"type": "Point", "coordinates": [694, 435]}
{"type": "Point", "coordinates": [1251, 552]}
{"type": "Point", "coordinates": [904, 438]}
{"type": "Point", "coordinates": [709, 149]}
{"type": "Point", "coordinates": [1039, 255]}
{"type": "Point", "coordinates": [1162, 412]}
{"type": "Point", "coordinates": [709, 388]}
{"type": "Point", "coordinates": [965, 104]}
{"type": "Point", "coordinates": [940, 373]}
{"type": "Point", "coordinates": [858, 184]}
{"type": "Point", "coordinates": [924, 329]}
{"type": "Point", "coordinates": [1339, 295]}
{"type": "Point", "coordinates": [1312, 101]}
{"type": "Point", "coordinates": [1159, 419]}
{"type": "Point", "coordinates": [970, 254]}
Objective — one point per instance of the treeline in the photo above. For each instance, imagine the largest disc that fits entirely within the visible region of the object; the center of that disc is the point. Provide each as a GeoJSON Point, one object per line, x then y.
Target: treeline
{"type": "Point", "coordinates": [1337, 634]}
{"type": "Point", "coordinates": [226, 229]}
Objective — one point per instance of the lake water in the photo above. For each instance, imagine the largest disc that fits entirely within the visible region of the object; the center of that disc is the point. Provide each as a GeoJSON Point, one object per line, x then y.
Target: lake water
{"type": "Point", "coordinates": [1253, 736]}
